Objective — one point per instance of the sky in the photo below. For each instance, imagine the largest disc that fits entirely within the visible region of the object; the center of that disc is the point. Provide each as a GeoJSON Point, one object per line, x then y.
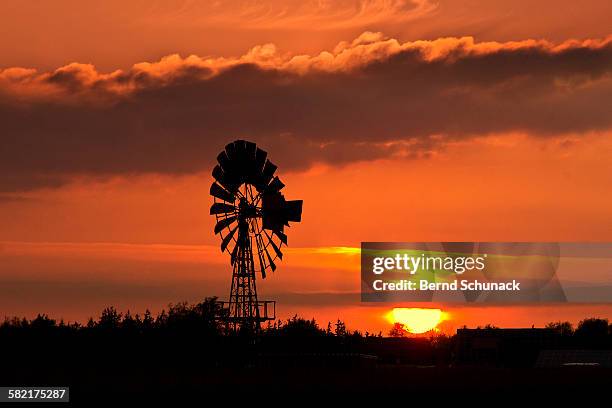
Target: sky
{"type": "Point", "coordinates": [393, 120]}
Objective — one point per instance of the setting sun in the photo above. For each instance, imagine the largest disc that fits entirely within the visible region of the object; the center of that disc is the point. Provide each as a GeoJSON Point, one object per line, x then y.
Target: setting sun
{"type": "Point", "coordinates": [416, 320]}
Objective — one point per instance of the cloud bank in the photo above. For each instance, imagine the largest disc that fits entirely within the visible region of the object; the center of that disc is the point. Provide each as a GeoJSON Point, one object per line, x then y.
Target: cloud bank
{"type": "Point", "coordinates": [365, 99]}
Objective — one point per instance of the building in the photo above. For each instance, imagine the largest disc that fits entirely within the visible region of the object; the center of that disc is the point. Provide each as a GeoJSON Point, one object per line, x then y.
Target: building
{"type": "Point", "coordinates": [504, 347]}
{"type": "Point", "coordinates": [574, 358]}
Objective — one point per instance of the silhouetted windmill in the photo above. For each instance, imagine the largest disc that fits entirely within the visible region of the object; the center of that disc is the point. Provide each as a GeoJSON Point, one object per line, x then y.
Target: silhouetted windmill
{"type": "Point", "coordinates": [251, 215]}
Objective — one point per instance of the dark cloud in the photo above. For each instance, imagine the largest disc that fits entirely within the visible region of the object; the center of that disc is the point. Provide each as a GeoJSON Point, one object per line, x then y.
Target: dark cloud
{"type": "Point", "coordinates": [365, 101]}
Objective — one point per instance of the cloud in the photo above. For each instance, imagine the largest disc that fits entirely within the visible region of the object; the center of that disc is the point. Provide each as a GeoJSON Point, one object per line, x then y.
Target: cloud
{"type": "Point", "coordinates": [366, 99]}
{"type": "Point", "coordinates": [291, 14]}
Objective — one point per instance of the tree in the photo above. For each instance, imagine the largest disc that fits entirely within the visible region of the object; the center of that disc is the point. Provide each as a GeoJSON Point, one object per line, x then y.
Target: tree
{"type": "Point", "coordinates": [592, 328]}
{"type": "Point", "coordinates": [129, 322]}
{"type": "Point", "coordinates": [300, 327]}
{"type": "Point", "coordinates": [398, 330]}
{"type": "Point", "coordinates": [162, 319]}
{"type": "Point", "coordinates": [42, 321]}
{"type": "Point", "coordinates": [147, 320]}
{"type": "Point", "coordinates": [340, 329]}
{"type": "Point", "coordinates": [563, 328]}
{"type": "Point", "coordinates": [109, 319]}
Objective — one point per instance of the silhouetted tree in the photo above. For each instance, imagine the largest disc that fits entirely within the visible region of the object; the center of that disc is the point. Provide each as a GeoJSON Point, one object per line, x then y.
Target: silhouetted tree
{"type": "Point", "coordinates": [340, 329]}
{"type": "Point", "coordinates": [593, 328]}
{"type": "Point", "coordinates": [564, 328]}
{"type": "Point", "coordinates": [129, 322]}
{"type": "Point", "coordinates": [398, 330]}
{"type": "Point", "coordinates": [147, 320]}
{"type": "Point", "coordinates": [161, 319]}
{"type": "Point", "coordinates": [300, 327]}
{"type": "Point", "coordinates": [42, 321]}
{"type": "Point", "coordinates": [109, 319]}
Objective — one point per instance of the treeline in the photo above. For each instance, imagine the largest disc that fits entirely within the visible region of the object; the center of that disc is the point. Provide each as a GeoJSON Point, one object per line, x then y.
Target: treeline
{"type": "Point", "coordinates": [200, 317]}
{"type": "Point", "coordinates": [182, 338]}
{"type": "Point", "coordinates": [187, 338]}
{"type": "Point", "coordinates": [591, 327]}
{"type": "Point", "coordinates": [185, 347]}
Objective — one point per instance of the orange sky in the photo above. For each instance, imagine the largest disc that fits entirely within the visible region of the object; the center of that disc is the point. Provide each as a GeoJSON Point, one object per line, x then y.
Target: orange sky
{"type": "Point", "coordinates": [495, 149]}
{"type": "Point", "coordinates": [115, 33]}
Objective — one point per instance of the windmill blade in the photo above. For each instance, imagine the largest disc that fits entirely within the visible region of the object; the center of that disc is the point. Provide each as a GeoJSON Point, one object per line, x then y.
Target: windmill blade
{"type": "Point", "coordinates": [225, 162]}
{"type": "Point", "coordinates": [224, 223]}
{"type": "Point", "coordinates": [240, 146]}
{"type": "Point", "coordinates": [230, 149]}
{"type": "Point", "coordinates": [281, 236]}
{"type": "Point", "coordinates": [250, 149]}
{"type": "Point", "coordinates": [260, 160]}
{"type": "Point", "coordinates": [234, 172]}
{"type": "Point", "coordinates": [268, 171]}
{"type": "Point", "coordinates": [262, 265]}
{"type": "Point", "coordinates": [257, 159]}
{"type": "Point", "coordinates": [266, 175]}
{"type": "Point", "coordinates": [219, 192]}
{"type": "Point", "coordinates": [233, 160]}
{"type": "Point", "coordinates": [240, 161]}
{"type": "Point", "coordinates": [275, 185]}
{"type": "Point", "coordinates": [221, 208]}
{"type": "Point", "coordinates": [228, 238]}
{"type": "Point", "coordinates": [225, 179]}
{"type": "Point", "coordinates": [275, 247]}
{"type": "Point", "coordinates": [270, 261]}
{"type": "Point", "coordinates": [259, 246]}
{"type": "Point", "coordinates": [218, 174]}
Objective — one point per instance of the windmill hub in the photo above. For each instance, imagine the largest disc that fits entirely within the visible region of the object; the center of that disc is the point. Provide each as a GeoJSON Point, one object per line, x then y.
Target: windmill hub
{"type": "Point", "coordinates": [251, 215]}
{"type": "Point", "coordinates": [246, 209]}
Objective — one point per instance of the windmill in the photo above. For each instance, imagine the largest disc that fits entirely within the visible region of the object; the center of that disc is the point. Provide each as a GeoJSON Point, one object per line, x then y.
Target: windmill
{"type": "Point", "coordinates": [251, 215]}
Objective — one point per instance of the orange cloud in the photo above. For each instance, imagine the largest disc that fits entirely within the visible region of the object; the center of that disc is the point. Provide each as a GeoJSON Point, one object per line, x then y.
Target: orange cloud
{"type": "Point", "coordinates": [370, 98]}
{"type": "Point", "coordinates": [73, 80]}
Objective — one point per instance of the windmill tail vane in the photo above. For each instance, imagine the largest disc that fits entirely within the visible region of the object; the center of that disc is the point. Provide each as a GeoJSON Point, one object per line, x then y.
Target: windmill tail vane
{"type": "Point", "coordinates": [251, 216]}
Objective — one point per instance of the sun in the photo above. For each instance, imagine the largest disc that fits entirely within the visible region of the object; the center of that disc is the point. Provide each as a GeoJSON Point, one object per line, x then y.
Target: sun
{"type": "Point", "coordinates": [416, 320]}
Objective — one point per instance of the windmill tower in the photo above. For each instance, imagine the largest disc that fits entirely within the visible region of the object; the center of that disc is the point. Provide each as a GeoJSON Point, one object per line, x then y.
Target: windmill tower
{"type": "Point", "coordinates": [251, 214]}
